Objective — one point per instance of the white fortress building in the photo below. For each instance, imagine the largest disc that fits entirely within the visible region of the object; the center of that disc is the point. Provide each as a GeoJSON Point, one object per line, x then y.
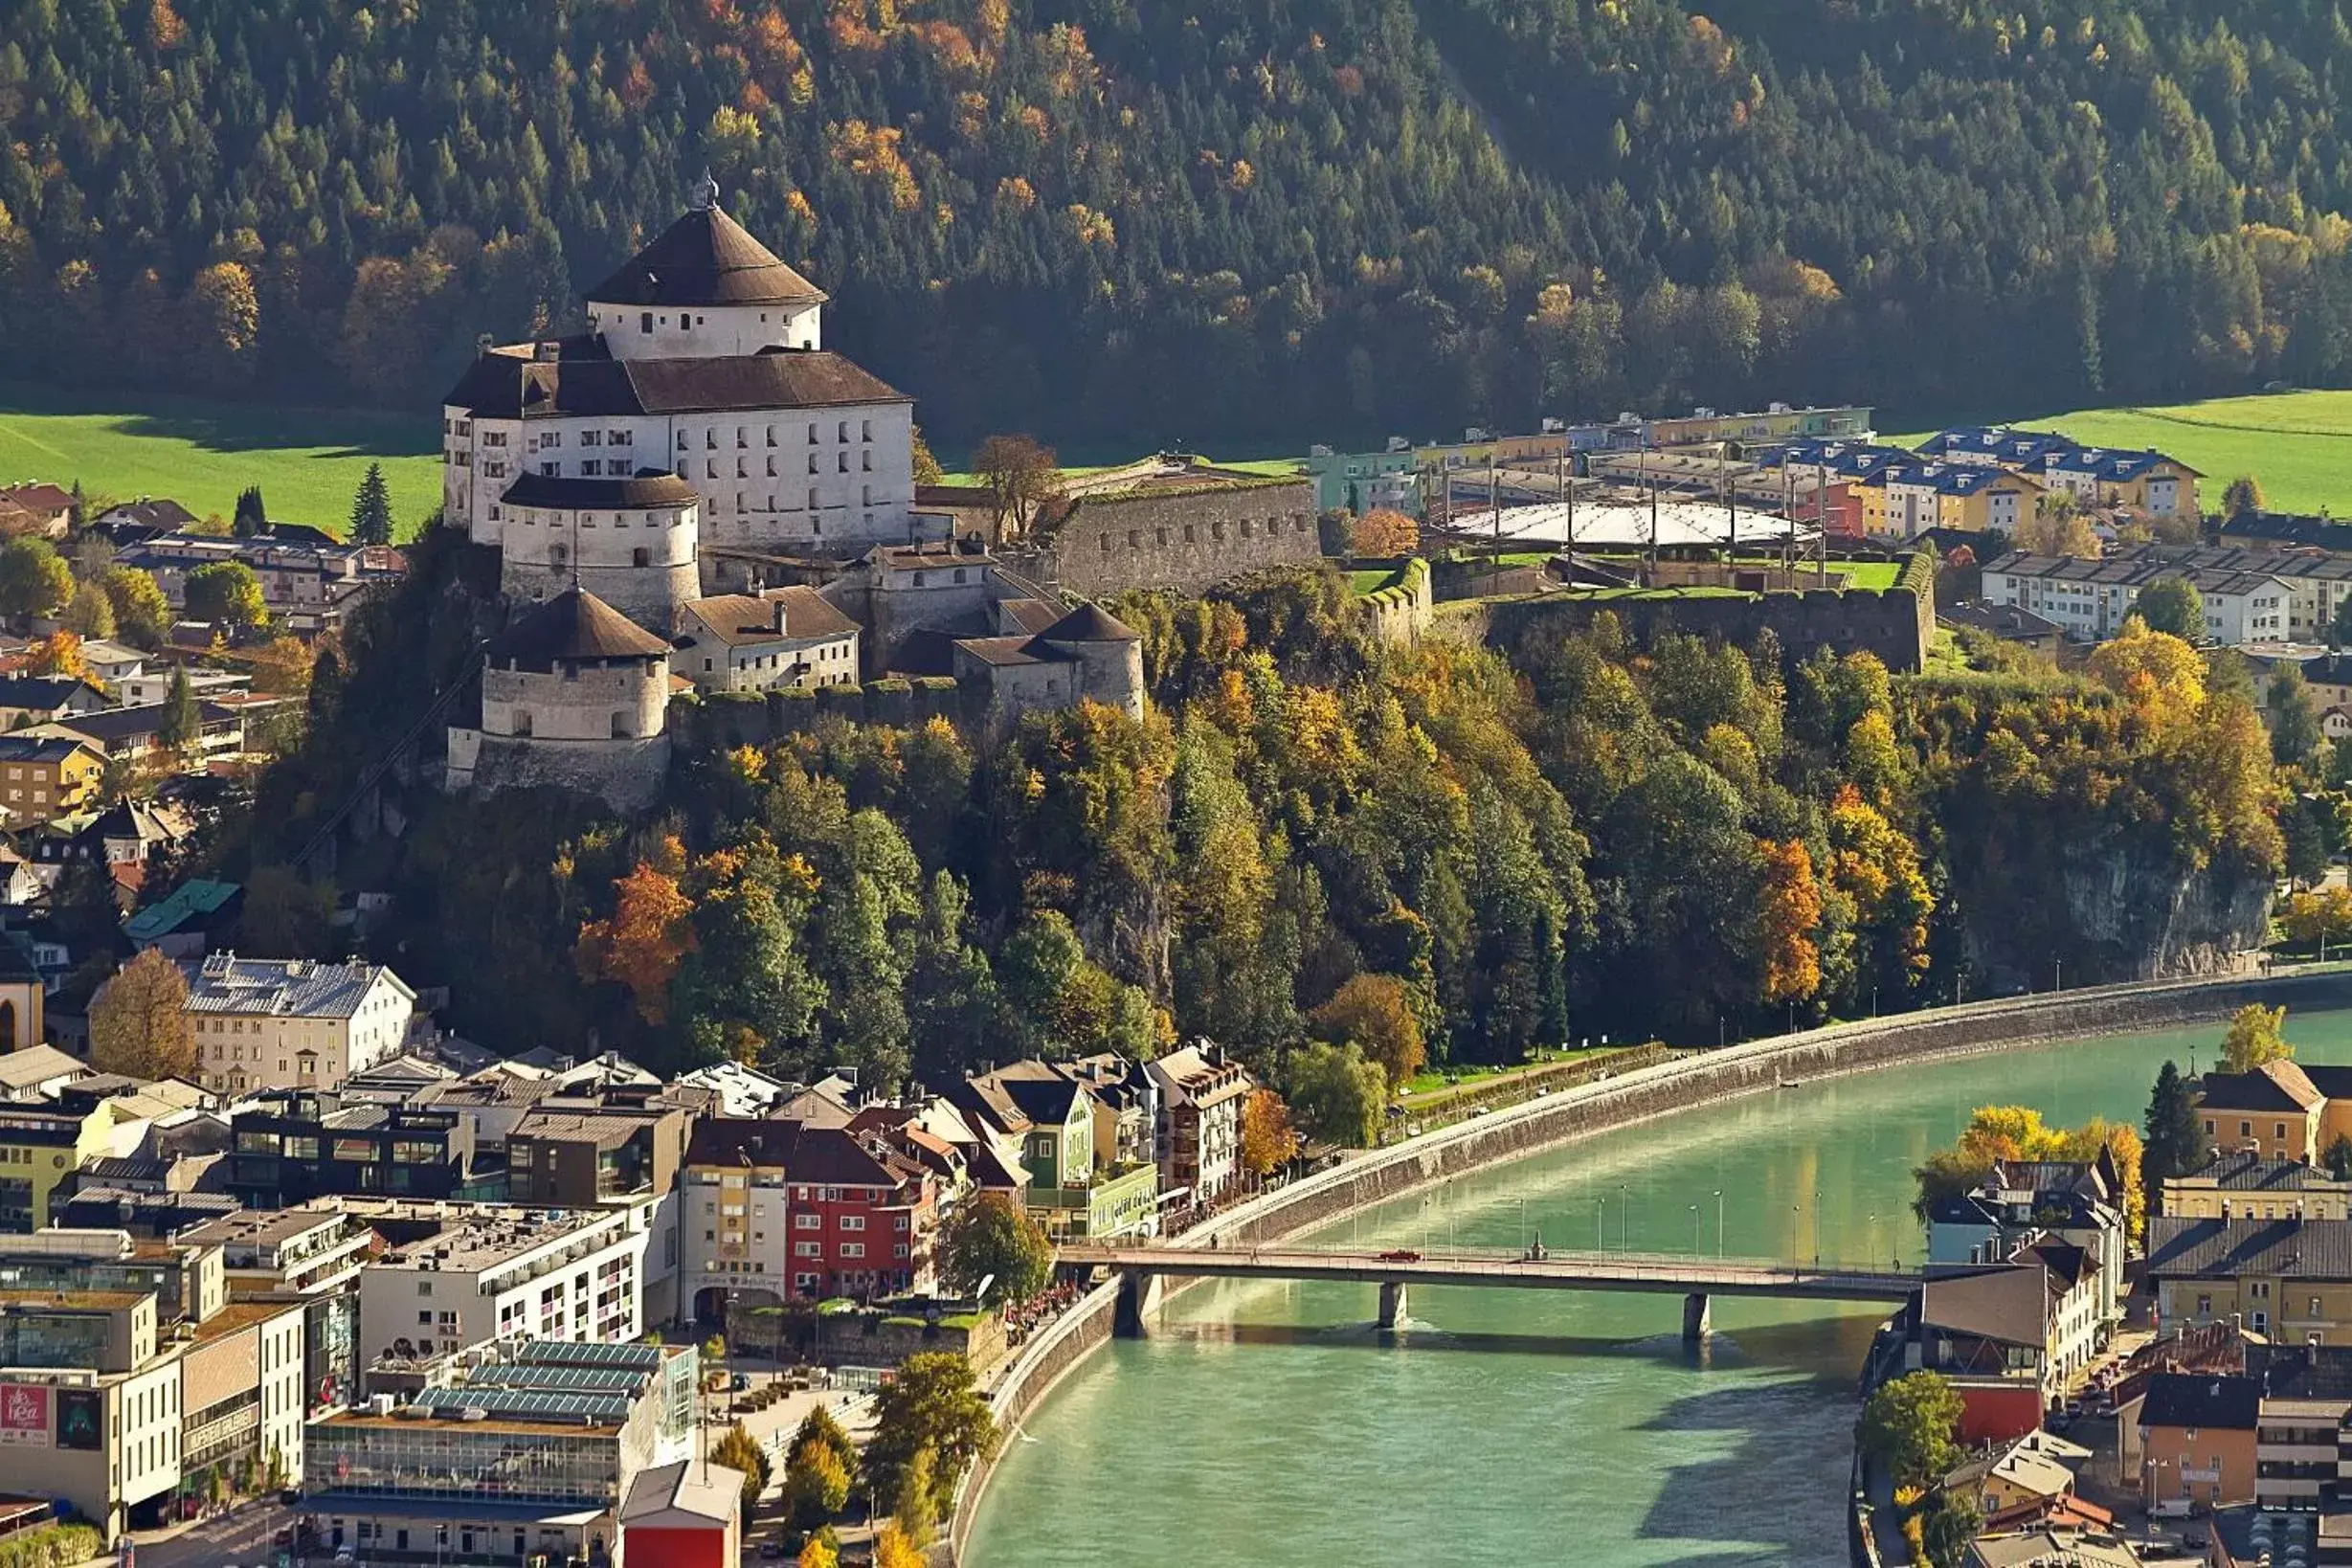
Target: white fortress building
{"type": "Point", "coordinates": [703, 360]}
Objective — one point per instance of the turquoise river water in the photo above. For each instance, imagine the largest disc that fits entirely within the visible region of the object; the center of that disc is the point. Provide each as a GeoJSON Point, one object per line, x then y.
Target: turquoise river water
{"type": "Point", "coordinates": [1265, 1427]}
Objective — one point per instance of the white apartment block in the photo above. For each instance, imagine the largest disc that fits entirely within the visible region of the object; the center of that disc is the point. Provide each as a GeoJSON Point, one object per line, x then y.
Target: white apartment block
{"type": "Point", "coordinates": [498, 1270]}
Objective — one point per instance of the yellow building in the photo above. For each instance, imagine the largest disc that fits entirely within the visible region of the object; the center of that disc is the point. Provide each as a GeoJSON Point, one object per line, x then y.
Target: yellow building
{"type": "Point", "coordinates": [2274, 1111]}
{"type": "Point", "coordinates": [44, 776]}
{"type": "Point", "coordinates": [2238, 1185]}
{"type": "Point", "coordinates": [2288, 1279]}
{"type": "Point", "coordinates": [2147, 482]}
{"type": "Point", "coordinates": [40, 1147]}
{"type": "Point", "coordinates": [2000, 501]}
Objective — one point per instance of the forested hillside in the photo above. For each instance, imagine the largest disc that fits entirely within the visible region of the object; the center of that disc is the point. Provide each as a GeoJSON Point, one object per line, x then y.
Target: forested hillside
{"type": "Point", "coordinates": [1157, 220]}
{"type": "Point", "coordinates": [1460, 851]}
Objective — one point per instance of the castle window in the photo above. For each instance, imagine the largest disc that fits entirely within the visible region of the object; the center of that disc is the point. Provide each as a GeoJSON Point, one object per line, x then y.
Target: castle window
{"type": "Point", "coordinates": [591, 437]}
{"type": "Point", "coordinates": [959, 574]}
{"type": "Point", "coordinates": [710, 440]}
{"type": "Point", "coordinates": [865, 430]}
{"type": "Point", "coordinates": [840, 464]}
{"type": "Point", "coordinates": [552, 469]}
{"type": "Point", "coordinates": [1135, 539]}
{"type": "Point", "coordinates": [555, 556]}
{"type": "Point", "coordinates": [770, 428]}
{"type": "Point", "coordinates": [710, 468]}
{"type": "Point", "coordinates": [1217, 530]}
{"type": "Point", "coordinates": [772, 468]}
{"type": "Point", "coordinates": [865, 495]}
{"type": "Point", "coordinates": [742, 438]}
{"type": "Point", "coordinates": [1106, 544]}
{"type": "Point", "coordinates": [1162, 535]}
{"type": "Point", "coordinates": [590, 468]}
{"type": "Point", "coordinates": [1188, 533]}
{"type": "Point", "coordinates": [522, 721]}
{"type": "Point", "coordinates": [621, 726]}
{"type": "Point", "coordinates": [681, 441]}
{"type": "Point", "coordinates": [918, 579]}
{"type": "Point", "coordinates": [866, 460]}
{"type": "Point", "coordinates": [640, 557]}
{"type": "Point", "coordinates": [842, 431]}
{"type": "Point", "coordinates": [812, 463]}
{"type": "Point", "coordinates": [811, 498]}
{"type": "Point", "coordinates": [644, 321]}
{"type": "Point", "coordinates": [812, 435]}
{"type": "Point", "coordinates": [740, 471]}
{"type": "Point", "coordinates": [619, 438]}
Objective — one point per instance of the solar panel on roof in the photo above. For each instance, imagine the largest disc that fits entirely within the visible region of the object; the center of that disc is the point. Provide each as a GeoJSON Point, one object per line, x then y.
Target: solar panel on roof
{"type": "Point", "coordinates": [622, 1380]}
{"type": "Point", "coordinates": [525, 1401]}
{"type": "Point", "coordinates": [567, 1353]}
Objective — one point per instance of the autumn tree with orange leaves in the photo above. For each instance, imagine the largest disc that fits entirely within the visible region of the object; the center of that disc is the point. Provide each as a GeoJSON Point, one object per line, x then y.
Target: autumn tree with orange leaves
{"type": "Point", "coordinates": [1786, 917]}
{"type": "Point", "coordinates": [647, 937]}
{"type": "Point", "coordinates": [1268, 1140]}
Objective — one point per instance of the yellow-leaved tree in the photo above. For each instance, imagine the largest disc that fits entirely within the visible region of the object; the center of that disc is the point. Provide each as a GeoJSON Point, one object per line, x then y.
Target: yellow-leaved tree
{"type": "Point", "coordinates": [2257, 1034]}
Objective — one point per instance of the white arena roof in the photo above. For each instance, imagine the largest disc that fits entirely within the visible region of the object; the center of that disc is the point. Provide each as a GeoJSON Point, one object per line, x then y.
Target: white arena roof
{"type": "Point", "coordinates": [1606, 526]}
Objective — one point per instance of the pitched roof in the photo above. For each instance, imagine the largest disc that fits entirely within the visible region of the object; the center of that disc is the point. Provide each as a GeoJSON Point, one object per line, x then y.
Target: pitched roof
{"type": "Point", "coordinates": [2275, 1086]}
{"type": "Point", "coordinates": [35, 1064]}
{"type": "Point", "coordinates": [1088, 623]}
{"type": "Point", "coordinates": [2245, 1170]}
{"type": "Point", "coordinates": [511, 383]}
{"type": "Point", "coordinates": [285, 987]}
{"type": "Point", "coordinates": [161, 512]}
{"type": "Point", "coordinates": [1002, 651]}
{"type": "Point", "coordinates": [2008, 621]}
{"type": "Point", "coordinates": [575, 627]}
{"type": "Point", "coordinates": [705, 259]}
{"type": "Point", "coordinates": [29, 747]}
{"type": "Point", "coordinates": [651, 487]}
{"type": "Point", "coordinates": [2299, 1249]}
{"type": "Point", "coordinates": [38, 498]}
{"type": "Point", "coordinates": [2004, 1303]}
{"type": "Point", "coordinates": [45, 691]}
{"type": "Point", "coordinates": [740, 619]}
{"type": "Point", "coordinates": [2206, 1399]}
{"type": "Point", "coordinates": [192, 901]}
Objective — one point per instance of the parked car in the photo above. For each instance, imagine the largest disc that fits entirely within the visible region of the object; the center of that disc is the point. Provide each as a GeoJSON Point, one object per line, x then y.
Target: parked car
{"type": "Point", "coordinates": [1400, 1255]}
{"type": "Point", "coordinates": [740, 1381]}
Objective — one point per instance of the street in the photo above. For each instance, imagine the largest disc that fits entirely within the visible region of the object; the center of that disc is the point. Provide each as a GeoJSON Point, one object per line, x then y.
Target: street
{"type": "Point", "coordinates": [237, 1540]}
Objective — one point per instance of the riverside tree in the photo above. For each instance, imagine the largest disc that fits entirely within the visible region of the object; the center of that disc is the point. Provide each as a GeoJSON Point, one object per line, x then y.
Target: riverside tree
{"type": "Point", "coordinates": [1910, 1426]}
{"type": "Point", "coordinates": [990, 1238]}
{"type": "Point", "coordinates": [2257, 1034]}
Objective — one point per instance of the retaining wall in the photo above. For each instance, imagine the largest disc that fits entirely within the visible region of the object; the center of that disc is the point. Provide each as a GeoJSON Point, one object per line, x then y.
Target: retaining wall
{"type": "Point", "coordinates": [1679, 1085]}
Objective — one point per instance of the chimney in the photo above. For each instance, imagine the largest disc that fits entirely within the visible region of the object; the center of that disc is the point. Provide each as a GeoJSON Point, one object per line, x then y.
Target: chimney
{"type": "Point", "coordinates": [779, 615]}
{"type": "Point", "coordinates": [548, 351]}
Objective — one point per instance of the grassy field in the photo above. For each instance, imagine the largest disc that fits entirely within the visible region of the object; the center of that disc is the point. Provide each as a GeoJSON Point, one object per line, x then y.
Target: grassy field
{"type": "Point", "coordinates": [2298, 444]}
{"type": "Point", "coordinates": [307, 462]}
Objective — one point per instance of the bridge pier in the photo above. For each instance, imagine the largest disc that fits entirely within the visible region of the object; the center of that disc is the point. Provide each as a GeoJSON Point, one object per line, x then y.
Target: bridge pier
{"type": "Point", "coordinates": [1392, 1304]}
{"type": "Point", "coordinates": [1697, 1317]}
{"type": "Point", "coordinates": [1139, 1297]}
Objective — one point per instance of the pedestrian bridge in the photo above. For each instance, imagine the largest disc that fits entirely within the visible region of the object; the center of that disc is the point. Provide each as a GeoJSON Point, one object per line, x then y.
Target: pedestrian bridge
{"type": "Point", "coordinates": [1395, 1270]}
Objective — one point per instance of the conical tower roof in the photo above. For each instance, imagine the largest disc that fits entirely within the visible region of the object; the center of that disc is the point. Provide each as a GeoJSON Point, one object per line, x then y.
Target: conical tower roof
{"type": "Point", "coordinates": [575, 627]}
{"type": "Point", "coordinates": [1088, 623]}
{"type": "Point", "coordinates": [705, 259]}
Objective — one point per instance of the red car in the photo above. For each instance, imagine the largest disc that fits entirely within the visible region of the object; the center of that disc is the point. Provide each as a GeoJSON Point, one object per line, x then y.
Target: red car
{"type": "Point", "coordinates": [1400, 1255]}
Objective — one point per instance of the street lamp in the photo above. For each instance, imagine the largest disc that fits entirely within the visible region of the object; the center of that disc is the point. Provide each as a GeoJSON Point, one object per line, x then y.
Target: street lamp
{"type": "Point", "coordinates": [1621, 1201]}
{"type": "Point", "coordinates": [1600, 1208]}
{"type": "Point", "coordinates": [1695, 1230]}
{"type": "Point", "coordinates": [1718, 1222]}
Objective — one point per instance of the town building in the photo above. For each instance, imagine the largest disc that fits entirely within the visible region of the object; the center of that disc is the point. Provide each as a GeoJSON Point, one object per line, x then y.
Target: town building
{"type": "Point", "coordinates": [581, 1158]}
{"type": "Point", "coordinates": [293, 1023]}
{"type": "Point", "coordinates": [684, 1514]}
{"type": "Point", "coordinates": [1997, 446]}
{"type": "Point", "coordinates": [2244, 1183]}
{"type": "Point", "coordinates": [2197, 1439]}
{"type": "Point", "coordinates": [190, 921]}
{"type": "Point", "coordinates": [148, 516]}
{"type": "Point", "coordinates": [47, 776]}
{"type": "Point", "coordinates": [44, 508]}
{"type": "Point", "coordinates": [775, 1208]}
{"type": "Point", "coordinates": [134, 737]}
{"type": "Point", "coordinates": [2144, 481]}
{"type": "Point", "coordinates": [453, 1275]}
{"type": "Point", "coordinates": [2273, 1113]}
{"type": "Point", "coordinates": [2288, 1279]}
{"type": "Point", "coordinates": [2019, 1202]}
{"type": "Point", "coordinates": [302, 1252]}
{"type": "Point", "coordinates": [576, 695]}
{"type": "Point", "coordinates": [1961, 497]}
{"type": "Point", "coordinates": [1198, 1141]}
{"type": "Point", "coordinates": [781, 636]}
{"type": "Point", "coordinates": [2022, 1479]}
{"type": "Point", "coordinates": [45, 699]}
{"type": "Point", "coordinates": [296, 1145]}
{"type": "Point", "coordinates": [532, 1457]}
{"type": "Point", "coordinates": [2092, 598]}
{"type": "Point", "coordinates": [42, 1148]}
{"type": "Point", "coordinates": [1079, 1186]}
{"type": "Point", "coordinates": [2008, 622]}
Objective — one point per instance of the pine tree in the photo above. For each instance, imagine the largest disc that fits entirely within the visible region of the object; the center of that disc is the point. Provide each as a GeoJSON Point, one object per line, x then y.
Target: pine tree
{"type": "Point", "coordinates": [371, 519]}
{"type": "Point", "coordinates": [180, 722]}
{"type": "Point", "coordinates": [252, 517]}
{"type": "Point", "coordinates": [2175, 1143]}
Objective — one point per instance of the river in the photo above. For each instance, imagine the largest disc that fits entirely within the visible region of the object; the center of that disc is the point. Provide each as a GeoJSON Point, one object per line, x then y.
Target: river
{"type": "Point", "coordinates": [1266, 1425]}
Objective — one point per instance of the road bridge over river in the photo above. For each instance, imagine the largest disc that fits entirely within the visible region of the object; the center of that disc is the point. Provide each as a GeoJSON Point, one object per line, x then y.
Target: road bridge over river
{"type": "Point", "coordinates": [1696, 1279]}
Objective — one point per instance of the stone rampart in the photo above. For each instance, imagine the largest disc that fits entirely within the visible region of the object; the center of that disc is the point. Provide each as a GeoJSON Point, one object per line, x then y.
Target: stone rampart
{"type": "Point", "coordinates": [1189, 538]}
{"type": "Point", "coordinates": [1680, 1085]}
{"type": "Point", "coordinates": [1400, 610]}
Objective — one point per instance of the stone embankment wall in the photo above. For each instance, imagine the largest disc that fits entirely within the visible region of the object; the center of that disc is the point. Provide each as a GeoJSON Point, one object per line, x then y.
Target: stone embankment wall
{"type": "Point", "coordinates": [1186, 537]}
{"type": "Point", "coordinates": [1679, 1085]}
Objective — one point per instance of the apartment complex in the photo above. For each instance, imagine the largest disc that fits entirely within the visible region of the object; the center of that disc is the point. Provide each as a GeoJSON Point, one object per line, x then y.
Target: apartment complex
{"type": "Point", "coordinates": [455, 1275]}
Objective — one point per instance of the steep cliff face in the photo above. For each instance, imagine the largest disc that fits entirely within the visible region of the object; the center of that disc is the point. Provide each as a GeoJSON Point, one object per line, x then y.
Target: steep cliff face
{"type": "Point", "coordinates": [2121, 906]}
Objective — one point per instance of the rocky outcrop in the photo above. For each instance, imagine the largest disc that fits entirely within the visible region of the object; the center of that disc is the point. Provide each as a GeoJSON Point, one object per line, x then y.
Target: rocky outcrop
{"type": "Point", "coordinates": [2122, 906]}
